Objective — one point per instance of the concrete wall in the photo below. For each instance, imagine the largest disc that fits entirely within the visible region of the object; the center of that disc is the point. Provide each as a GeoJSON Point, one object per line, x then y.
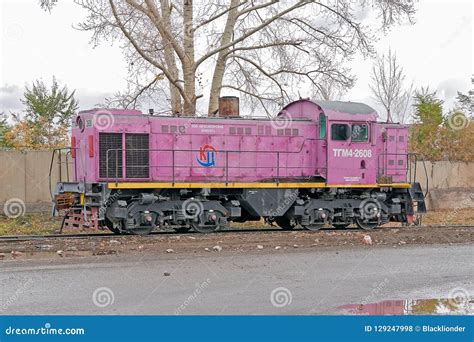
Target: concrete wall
{"type": "Point", "coordinates": [25, 175]}
{"type": "Point", "coordinates": [450, 185]}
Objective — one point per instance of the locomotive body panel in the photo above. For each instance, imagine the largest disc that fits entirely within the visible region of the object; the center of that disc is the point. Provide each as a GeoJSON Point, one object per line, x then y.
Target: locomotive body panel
{"type": "Point", "coordinates": [338, 144]}
{"type": "Point", "coordinates": [192, 149]}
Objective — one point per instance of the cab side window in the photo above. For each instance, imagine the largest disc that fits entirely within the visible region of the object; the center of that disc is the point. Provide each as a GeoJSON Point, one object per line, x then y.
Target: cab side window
{"type": "Point", "coordinates": [340, 132]}
{"type": "Point", "coordinates": [322, 126]}
{"type": "Point", "coordinates": [360, 132]}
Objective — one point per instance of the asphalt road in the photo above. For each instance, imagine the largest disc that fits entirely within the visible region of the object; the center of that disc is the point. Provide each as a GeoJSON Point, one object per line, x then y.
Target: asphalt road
{"type": "Point", "coordinates": [257, 282]}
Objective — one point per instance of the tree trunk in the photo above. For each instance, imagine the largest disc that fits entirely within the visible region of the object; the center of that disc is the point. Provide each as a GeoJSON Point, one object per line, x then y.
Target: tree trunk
{"type": "Point", "coordinates": [175, 96]}
{"type": "Point", "coordinates": [189, 69]}
{"type": "Point", "coordinates": [219, 69]}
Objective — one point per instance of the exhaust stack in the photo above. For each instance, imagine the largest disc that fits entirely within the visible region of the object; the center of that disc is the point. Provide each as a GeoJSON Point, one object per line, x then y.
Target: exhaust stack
{"type": "Point", "coordinates": [229, 106]}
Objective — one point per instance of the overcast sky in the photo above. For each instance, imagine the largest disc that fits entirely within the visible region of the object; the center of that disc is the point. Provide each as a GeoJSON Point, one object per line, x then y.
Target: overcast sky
{"type": "Point", "coordinates": [437, 51]}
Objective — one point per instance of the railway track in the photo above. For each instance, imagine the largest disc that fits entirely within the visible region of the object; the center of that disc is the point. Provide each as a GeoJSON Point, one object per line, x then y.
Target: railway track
{"type": "Point", "coordinates": [18, 238]}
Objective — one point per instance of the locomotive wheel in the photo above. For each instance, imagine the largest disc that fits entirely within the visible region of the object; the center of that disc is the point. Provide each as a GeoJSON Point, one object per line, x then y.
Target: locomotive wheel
{"type": "Point", "coordinates": [314, 227]}
{"type": "Point", "coordinates": [182, 229]}
{"type": "Point", "coordinates": [141, 230]}
{"type": "Point", "coordinates": [340, 225]}
{"type": "Point", "coordinates": [206, 229]}
{"type": "Point", "coordinates": [365, 225]}
{"type": "Point", "coordinates": [110, 226]}
{"type": "Point", "coordinates": [284, 223]}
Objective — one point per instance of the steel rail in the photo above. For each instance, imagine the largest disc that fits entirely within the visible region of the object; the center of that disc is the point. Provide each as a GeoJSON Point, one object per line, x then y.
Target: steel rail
{"type": "Point", "coordinates": [16, 238]}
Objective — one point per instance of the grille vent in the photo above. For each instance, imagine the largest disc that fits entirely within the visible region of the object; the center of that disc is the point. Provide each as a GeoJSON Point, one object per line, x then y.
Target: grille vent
{"type": "Point", "coordinates": [111, 142]}
{"type": "Point", "coordinates": [137, 155]}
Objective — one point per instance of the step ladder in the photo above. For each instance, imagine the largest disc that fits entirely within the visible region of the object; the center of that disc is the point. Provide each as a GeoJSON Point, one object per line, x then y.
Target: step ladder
{"type": "Point", "coordinates": [418, 198]}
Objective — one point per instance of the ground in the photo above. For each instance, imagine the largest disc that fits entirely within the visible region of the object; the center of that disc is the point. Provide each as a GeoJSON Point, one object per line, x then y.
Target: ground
{"type": "Point", "coordinates": [264, 239]}
{"type": "Point", "coordinates": [322, 280]}
{"type": "Point", "coordinates": [390, 270]}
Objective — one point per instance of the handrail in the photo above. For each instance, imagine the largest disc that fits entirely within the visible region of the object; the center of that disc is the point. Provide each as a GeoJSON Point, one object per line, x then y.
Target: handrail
{"type": "Point", "coordinates": [67, 154]}
{"type": "Point", "coordinates": [118, 151]}
{"type": "Point", "coordinates": [426, 177]}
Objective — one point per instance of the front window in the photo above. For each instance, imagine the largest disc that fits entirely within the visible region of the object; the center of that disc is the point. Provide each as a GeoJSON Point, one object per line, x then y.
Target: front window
{"type": "Point", "coordinates": [340, 132]}
{"type": "Point", "coordinates": [360, 132]}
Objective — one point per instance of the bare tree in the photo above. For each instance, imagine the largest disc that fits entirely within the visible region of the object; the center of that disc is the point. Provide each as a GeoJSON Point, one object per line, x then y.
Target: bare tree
{"type": "Point", "coordinates": [266, 50]}
{"type": "Point", "coordinates": [47, 5]}
{"type": "Point", "coordinates": [388, 86]}
{"type": "Point", "coordinates": [404, 105]}
{"type": "Point", "coordinates": [328, 89]}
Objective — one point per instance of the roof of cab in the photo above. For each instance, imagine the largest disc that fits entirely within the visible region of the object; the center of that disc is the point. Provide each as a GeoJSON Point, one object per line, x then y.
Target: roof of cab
{"type": "Point", "coordinates": [345, 107]}
{"type": "Point", "coordinates": [336, 110]}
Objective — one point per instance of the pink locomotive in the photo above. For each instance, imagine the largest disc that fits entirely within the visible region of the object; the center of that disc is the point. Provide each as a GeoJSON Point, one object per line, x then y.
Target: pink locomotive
{"type": "Point", "coordinates": [316, 163]}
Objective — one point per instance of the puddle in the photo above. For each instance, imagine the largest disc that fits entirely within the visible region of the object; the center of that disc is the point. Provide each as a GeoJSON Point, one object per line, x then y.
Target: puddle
{"type": "Point", "coordinates": [443, 306]}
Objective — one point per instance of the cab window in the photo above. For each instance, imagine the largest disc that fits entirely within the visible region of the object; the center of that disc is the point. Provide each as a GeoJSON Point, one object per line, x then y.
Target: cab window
{"type": "Point", "coordinates": [340, 132]}
{"type": "Point", "coordinates": [360, 132]}
{"type": "Point", "coordinates": [322, 126]}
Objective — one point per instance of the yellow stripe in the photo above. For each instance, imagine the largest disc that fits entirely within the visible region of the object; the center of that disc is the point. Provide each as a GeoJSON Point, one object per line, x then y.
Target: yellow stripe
{"type": "Point", "coordinates": [233, 185]}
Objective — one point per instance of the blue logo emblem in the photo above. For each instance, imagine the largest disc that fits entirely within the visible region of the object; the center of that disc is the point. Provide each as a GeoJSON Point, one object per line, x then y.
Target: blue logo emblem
{"type": "Point", "coordinates": [206, 156]}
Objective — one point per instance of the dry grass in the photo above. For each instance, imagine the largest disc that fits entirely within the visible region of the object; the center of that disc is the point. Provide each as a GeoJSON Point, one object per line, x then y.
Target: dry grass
{"type": "Point", "coordinates": [451, 216]}
{"type": "Point", "coordinates": [32, 224]}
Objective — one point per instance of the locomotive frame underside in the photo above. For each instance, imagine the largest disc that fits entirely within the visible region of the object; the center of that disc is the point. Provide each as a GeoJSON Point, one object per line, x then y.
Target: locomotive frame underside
{"type": "Point", "coordinates": [128, 208]}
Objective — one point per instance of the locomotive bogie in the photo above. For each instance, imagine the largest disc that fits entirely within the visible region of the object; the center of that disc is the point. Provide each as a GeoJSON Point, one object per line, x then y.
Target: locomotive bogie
{"type": "Point", "coordinates": [208, 210]}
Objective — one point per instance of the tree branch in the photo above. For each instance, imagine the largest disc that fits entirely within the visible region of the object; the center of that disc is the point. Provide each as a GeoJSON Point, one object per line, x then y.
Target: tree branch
{"type": "Point", "coordinates": [267, 22]}
{"type": "Point", "coordinates": [142, 53]}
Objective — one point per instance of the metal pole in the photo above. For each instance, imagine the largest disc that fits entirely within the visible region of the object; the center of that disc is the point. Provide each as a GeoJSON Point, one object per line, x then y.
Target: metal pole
{"type": "Point", "coordinates": [67, 166]}
{"type": "Point", "coordinates": [278, 167]}
{"type": "Point", "coordinates": [60, 162]}
{"type": "Point", "coordinates": [172, 166]}
{"type": "Point", "coordinates": [226, 167]}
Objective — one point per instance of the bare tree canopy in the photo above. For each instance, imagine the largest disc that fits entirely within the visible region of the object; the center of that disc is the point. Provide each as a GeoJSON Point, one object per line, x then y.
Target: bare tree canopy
{"type": "Point", "coordinates": [265, 50]}
{"type": "Point", "coordinates": [328, 89]}
{"type": "Point", "coordinates": [388, 87]}
{"type": "Point", "coordinates": [47, 5]}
